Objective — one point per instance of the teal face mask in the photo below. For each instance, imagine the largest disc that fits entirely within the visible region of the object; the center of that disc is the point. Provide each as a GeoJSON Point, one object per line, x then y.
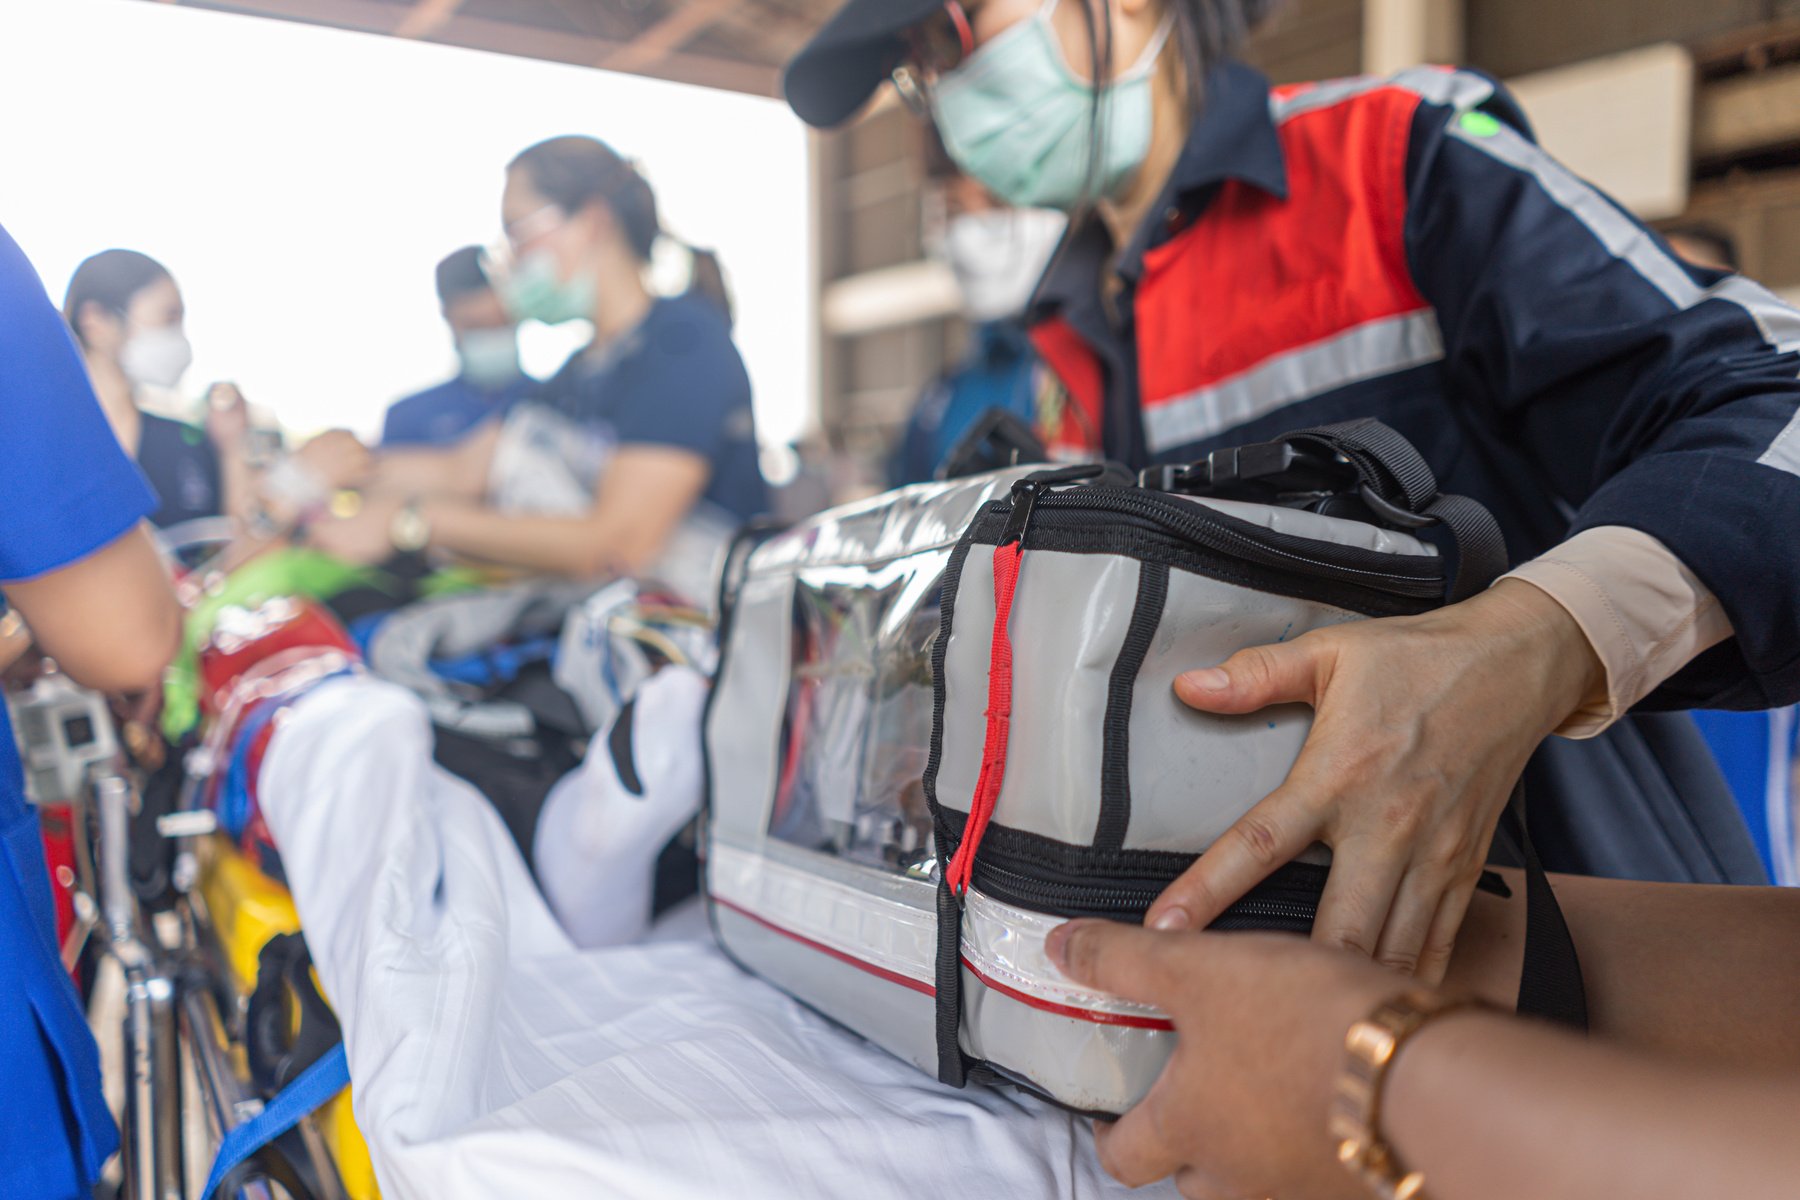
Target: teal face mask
{"type": "Point", "coordinates": [531, 291]}
{"type": "Point", "coordinates": [489, 357]}
{"type": "Point", "coordinates": [1018, 119]}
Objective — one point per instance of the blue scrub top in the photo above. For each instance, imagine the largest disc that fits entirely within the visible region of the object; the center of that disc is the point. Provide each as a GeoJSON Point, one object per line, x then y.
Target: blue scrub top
{"type": "Point", "coordinates": [676, 380]}
{"type": "Point", "coordinates": [441, 415]}
{"type": "Point", "coordinates": [66, 491]}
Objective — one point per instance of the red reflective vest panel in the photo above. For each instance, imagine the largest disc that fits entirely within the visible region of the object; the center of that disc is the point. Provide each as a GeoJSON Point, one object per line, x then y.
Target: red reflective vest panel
{"type": "Point", "coordinates": [1263, 301]}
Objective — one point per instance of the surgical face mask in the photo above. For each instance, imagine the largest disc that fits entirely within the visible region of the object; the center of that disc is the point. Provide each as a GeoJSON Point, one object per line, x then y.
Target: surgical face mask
{"type": "Point", "coordinates": [998, 257]}
{"type": "Point", "coordinates": [1017, 118]}
{"type": "Point", "coordinates": [156, 357]}
{"type": "Point", "coordinates": [532, 291]}
{"type": "Point", "coordinates": [489, 357]}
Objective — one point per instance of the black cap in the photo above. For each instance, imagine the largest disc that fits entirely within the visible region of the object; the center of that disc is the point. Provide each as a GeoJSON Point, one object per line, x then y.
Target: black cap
{"type": "Point", "coordinates": [460, 274]}
{"type": "Point", "coordinates": [836, 72]}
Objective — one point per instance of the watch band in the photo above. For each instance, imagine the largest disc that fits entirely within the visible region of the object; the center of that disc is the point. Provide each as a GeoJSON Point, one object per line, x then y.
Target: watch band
{"type": "Point", "coordinates": [1370, 1047]}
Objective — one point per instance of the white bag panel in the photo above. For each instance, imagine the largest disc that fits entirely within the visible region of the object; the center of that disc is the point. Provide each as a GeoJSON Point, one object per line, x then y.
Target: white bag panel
{"type": "Point", "coordinates": [884, 922]}
{"type": "Point", "coordinates": [1192, 773]}
{"type": "Point", "coordinates": [744, 730]}
{"type": "Point", "coordinates": [1087, 1066]}
{"type": "Point", "coordinates": [1071, 613]}
{"type": "Point", "coordinates": [1334, 530]}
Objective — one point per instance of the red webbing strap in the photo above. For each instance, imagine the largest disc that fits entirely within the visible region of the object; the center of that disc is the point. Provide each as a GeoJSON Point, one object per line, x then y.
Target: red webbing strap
{"type": "Point", "coordinates": [999, 721]}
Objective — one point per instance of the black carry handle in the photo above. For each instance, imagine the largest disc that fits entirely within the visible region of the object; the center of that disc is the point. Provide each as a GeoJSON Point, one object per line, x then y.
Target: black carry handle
{"type": "Point", "coordinates": [1363, 459]}
{"type": "Point", "coordinates": [273, 1050]}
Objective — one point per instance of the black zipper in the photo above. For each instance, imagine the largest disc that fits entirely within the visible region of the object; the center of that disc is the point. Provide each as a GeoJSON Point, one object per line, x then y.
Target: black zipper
{"type": "Point", "coordinates": [1284, 903]}
{"type": "Point", "coordinates": [1196, 524]}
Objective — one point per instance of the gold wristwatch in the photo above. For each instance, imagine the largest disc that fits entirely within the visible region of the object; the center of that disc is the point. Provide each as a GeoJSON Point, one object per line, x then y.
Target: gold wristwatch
{"type": "Point", "coordinates": [1369, 1050]}
{"type": "Point", "coordinates": [410, 532]}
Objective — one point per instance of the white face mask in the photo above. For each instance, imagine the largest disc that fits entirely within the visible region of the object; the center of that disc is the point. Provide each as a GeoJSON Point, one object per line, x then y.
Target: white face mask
{"type": "Point", "coordinates": [998, 257]}
{"type": "Point", "coordinates": [156, 357]}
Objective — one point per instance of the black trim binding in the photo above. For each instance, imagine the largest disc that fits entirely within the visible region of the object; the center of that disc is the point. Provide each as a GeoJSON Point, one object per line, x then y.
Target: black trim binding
{"type": "Point", "coordinates": [1115, 753]}
{"type": "Point", "coordinates": [1083, 522]}
{"type": "Point", "coordinates": [953, 1065]}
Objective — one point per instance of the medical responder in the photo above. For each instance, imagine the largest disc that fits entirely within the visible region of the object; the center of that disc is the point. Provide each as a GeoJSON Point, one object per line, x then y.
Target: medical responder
{"type": "Point", "coordinates": [489, 379]}
{"type": "Point", "coordinates": [997, 253]}
{"type": "Point", "coordinates": [645, 427]}
{"type": "Point", "coordinates": [128, 316]}
{"type": "Point", "coordinates": [78, 566]}
{"type": "Point", "coordinates": [1246, 261]}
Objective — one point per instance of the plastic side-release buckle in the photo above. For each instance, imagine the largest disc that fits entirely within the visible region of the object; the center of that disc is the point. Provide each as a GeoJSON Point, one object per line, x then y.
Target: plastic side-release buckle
{"type": "Point", "coordinates": [1274, 463]}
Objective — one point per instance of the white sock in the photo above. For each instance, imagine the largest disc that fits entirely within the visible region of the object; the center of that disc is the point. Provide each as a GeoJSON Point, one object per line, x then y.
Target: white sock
{"type": "Point", "coordinates": [604, 825]}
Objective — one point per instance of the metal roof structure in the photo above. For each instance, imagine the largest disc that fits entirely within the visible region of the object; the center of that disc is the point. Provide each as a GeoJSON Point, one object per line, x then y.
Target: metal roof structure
{"type": "Point", "coordinates": [738, 45]}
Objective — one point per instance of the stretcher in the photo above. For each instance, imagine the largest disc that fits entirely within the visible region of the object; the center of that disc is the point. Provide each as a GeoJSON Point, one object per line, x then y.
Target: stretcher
{"type": "Point", "coordinates": [491, 1056]}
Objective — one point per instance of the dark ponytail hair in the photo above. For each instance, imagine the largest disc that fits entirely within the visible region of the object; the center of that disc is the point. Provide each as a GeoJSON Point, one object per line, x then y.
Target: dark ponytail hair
{"type": "Point", "coordinates": [573, 172]}
{"type": "Point", "coordinates": [110, 279]}
{"type": "Point", "coordinates": [708, 280]}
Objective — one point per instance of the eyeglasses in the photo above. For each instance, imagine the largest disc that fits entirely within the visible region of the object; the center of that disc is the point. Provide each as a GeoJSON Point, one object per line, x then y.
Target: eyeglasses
{"type": "Point", "coordinates": [934, 47]}
{"type": "Point", "coordinates": [499, 257]}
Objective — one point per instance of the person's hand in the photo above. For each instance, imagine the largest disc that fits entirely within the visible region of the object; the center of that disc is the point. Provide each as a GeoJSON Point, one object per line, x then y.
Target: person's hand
{"type": "Point", "coordinates": [1422, 727]}
{"type": "Point", "coordinates": [364, 537]}
{"type": "Point", "coordinates": [1242, 1108]}
{"type": "Point", "coordinates": [227, 417]}
{"type": "Point", "coordinates": [337, 459]}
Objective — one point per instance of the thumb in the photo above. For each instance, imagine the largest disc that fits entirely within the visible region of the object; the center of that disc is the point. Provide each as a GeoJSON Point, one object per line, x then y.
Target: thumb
{"type": "Point", "coordinates": [1257, 677]}
{"type": "Point", "coordinates": [1128, 961]}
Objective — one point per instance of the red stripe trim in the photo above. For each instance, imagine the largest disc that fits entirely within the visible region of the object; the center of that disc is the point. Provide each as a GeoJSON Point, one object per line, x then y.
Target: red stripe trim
{"type": "Point", "coordinates": [1161, 1024]}
{"type": "Point", "coordinates": [905, 981]}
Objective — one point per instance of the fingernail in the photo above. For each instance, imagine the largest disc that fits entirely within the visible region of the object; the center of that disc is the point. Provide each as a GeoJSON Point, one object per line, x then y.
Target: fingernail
{"type": "Point", "coordinates": [1171, 921]}
{"type": "Point", "coordinates": [1056, 945]}
{"type": "Point", "coordinates": [1209, 680]}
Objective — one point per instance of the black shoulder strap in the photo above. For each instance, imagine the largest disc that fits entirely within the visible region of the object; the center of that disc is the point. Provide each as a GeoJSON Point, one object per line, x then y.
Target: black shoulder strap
{"type": "Point", "coordinates": [1550, 983]}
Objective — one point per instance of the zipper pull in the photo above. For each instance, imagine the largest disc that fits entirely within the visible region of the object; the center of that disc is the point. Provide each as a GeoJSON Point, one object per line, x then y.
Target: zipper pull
{"type": "Point", "coordinates": [1025, 495]}
{"type": "Point", "coordinates": [1026, 492]}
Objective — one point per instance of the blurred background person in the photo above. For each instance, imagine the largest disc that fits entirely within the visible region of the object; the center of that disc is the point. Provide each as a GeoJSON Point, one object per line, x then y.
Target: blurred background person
{"type": "Point", "coordinates": [649, 424]}
{"type": "Point", "coordinates": [127, 315]}
{"type": "Point", "coordinates": [488, 380]}
{"type": "Point", "coordinates": [997, 253]}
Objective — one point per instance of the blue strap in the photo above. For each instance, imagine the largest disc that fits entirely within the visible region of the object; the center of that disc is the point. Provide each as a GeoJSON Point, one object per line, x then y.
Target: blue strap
{"type": "Point", "coordinates": [312, 1088]}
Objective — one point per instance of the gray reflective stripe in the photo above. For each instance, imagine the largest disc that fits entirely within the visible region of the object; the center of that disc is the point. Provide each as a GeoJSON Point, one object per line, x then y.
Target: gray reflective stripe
{"type": "Point", "coordinates": [1460, 89]}
{"type": "Point", "coordinates": [1625, 239]}
{"type": "Point", "coordinates": [1377, 348]}
{"type": "Point", "coordinates": [1784, 452]}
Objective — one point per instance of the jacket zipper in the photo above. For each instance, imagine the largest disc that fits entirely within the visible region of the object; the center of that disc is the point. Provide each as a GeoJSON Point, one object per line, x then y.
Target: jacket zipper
{"type": "Point", "coordinates": [1192, 523]}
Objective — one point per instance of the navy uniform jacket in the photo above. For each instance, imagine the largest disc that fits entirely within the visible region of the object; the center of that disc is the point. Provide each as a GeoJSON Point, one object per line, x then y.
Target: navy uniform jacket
{"type": "Point", "coordinates": [1400, 248]}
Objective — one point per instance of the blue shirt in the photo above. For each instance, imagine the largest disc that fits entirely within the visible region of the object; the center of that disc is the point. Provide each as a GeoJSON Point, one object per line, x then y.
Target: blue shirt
{"type": "Point", "coordinates": [182, 466]}
{"type": "Point", "coordinates": [67, 491]}
{"type": "Point", "coordinates": [441, 415]}
{"type": "Point", "coordinates": [1000, 371]}
{"type": "Point", "coordinates": [676, 380]}
{"type": "Point", "coordinates": [1757, 752]}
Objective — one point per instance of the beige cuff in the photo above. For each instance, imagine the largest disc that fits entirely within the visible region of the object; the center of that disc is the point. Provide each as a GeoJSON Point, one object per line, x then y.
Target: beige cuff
{"type": "Point", "coordinates": [1643, 611]}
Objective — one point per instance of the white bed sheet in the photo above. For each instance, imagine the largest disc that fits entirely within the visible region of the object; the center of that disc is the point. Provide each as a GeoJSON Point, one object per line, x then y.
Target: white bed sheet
{"type": "Point", "coordinates": [493, 1059]}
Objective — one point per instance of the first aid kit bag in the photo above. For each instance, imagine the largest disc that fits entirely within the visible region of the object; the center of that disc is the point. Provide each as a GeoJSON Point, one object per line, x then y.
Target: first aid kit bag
{"type": "Point", "coordinates": [945, 722]}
